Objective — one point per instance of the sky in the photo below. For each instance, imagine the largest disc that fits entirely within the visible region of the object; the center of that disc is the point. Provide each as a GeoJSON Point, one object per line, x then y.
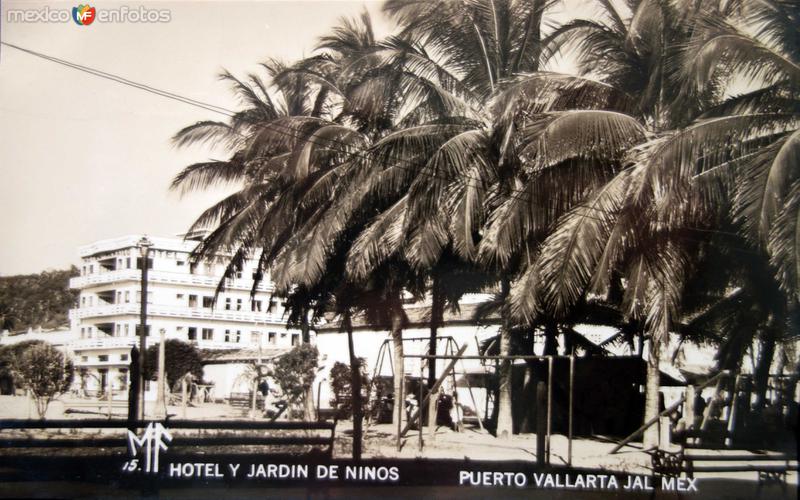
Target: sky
{"type": "Point", "coordinates": [83, 158]}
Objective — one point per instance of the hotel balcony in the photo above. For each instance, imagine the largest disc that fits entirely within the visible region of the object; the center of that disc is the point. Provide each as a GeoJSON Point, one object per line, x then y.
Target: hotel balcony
{"type": "Point", "coordinates": [108, 342]}
{"type": "Point", "coordinates": [103, 343]}
{"type": "Point", "coordinates": [154, 310]}
{"type": "Point", "coordinates": [163, 277]}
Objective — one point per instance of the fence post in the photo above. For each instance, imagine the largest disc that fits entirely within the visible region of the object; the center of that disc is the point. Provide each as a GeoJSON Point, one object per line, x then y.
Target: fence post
{"type": "Point", "coordinates": [541, 422]}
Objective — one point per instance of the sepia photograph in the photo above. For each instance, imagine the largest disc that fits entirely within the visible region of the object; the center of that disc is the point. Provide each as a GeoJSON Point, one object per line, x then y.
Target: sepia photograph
{"type": "Point", "coordinates": [400, 248]}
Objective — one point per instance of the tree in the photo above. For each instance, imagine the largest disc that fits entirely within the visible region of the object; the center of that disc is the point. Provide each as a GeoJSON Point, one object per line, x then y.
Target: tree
{"type": "Point", "coordinates": [43, 370]}
{"type": "Point", "coordinates": [9, 357]}
{"type": "Point", "coordinates": [295, 372]}
{"type": "Point", "coordinates": [181, 358]}
{"type": "Point", "coordinates": [341, 383]}
{"type": "Point", "coordinates": [36, 300]}
{"type": "Point", "coordinates": [637, 225]}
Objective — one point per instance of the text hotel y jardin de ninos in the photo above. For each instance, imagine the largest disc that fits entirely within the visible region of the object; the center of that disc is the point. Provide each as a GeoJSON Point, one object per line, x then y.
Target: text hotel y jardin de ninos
{"type": "Point", "coordinates": [383, 474]}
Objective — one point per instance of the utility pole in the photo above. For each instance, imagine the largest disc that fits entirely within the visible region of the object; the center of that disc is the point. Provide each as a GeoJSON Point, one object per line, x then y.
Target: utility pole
{"type": "Point", "coordinates": [144, 250]}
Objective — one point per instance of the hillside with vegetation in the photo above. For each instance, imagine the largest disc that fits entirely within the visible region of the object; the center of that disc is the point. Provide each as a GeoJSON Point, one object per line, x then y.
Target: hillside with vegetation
{"type": "Point", "coordinates": [36, 300]}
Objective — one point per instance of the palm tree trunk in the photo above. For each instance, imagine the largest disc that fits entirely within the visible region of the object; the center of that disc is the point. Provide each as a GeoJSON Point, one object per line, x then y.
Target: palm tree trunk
{"type": "Point", "coordinates": [550, 338]}
{"type": "Point", "coordinates": [355, 386]}
{"type": "Point", "coordinates": [437, 313]}
{"type": "Point", "coordinates": [658, 335]}
{"type": "Point", "coordinates": [397, 358]}
{"type": "Point", "coordinates": [761, 375]}
{"type": "Point", "coordinates": [652, 383]}
{"type": "Point", "coordinates": [505, 419]}
{"type": "Point", "coordinates": [308, 397]}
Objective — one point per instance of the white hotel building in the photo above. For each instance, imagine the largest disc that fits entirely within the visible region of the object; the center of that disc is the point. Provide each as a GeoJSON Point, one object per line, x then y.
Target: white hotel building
{"type": "Point", "coordinates": [180, 302]}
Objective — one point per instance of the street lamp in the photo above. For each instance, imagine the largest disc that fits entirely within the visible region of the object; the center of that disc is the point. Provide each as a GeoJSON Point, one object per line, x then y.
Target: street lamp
{"type": "Point", "coordinates": [144, 249]}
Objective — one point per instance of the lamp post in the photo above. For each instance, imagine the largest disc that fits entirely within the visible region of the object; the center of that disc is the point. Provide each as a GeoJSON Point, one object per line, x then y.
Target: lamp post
{"type": "Point", "coordinates": [144, 249]}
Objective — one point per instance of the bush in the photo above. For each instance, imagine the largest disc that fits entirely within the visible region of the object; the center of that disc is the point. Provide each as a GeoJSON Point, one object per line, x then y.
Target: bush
{"type": "Point", "coordinates": [45, 373]}
{"type": "Point", "coordinates": [180, 358]}
{"type": "Point", "coordinates": [340, 380]}
{"type": "Point", "coordinates": [295, 372]}
{"type": "Point", "coordinates": [9, 357]}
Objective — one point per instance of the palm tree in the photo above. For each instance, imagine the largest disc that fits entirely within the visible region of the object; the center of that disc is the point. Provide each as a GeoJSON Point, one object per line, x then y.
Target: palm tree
{"type": "Point", "coordinates": [680, 184]}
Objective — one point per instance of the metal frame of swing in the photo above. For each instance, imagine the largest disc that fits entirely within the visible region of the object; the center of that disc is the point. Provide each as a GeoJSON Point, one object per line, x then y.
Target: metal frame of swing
{"type": "Point", "coordinates": [460, 356]}
{"type": "Point", "coordinates": [451, 346]}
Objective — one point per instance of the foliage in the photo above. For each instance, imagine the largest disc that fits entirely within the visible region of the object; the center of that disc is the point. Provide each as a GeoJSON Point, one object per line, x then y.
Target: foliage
{"type": "Point", "coordinates": [43, 370]}
{"type": "Point", "coordinates": [36, 300]}
{"type": "Point", "coordinates": [180, 358]}
{"type": "Point", "coordinates": [447, 149]}
{"type": "Point", "coordinates": [9, 358]}
{"type": "Point", "coordinates": [295, 371]}
{"type": "Point", "coordinates": [340, 380]}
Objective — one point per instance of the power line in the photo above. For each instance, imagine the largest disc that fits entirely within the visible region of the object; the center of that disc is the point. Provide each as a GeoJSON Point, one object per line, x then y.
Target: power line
{"type": "Point", "coordinates": [513, 194]}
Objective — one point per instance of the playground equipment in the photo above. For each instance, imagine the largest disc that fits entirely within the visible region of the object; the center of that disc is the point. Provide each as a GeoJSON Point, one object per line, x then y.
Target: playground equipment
{"type": "Point", "coordinates": [544, 458]}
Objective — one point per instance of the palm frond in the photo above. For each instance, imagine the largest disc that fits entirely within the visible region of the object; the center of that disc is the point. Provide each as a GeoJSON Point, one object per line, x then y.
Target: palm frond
{"type": "Point", "coordinates": [212, 133]}
{"type": "Point", "coordinates": [784, 243]}
{"type": "Point", "coordinates": [204, 175]}
{"type": "Point", "coordinates": [569, 256]}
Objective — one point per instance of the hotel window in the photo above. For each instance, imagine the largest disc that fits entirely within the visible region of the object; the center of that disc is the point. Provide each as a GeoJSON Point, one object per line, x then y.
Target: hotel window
{"type": "Point", "coordinates": [102, 357]}
{"type": "Point", "coordinates": [271, 337]}
{"type": "Point", "coordinates": [127, 296]}
{"type": "Point", "coordinates": [83, 301]}
{"type": "Point", "coordinates": [255, 337]}
{"type": "Point", "coordinates": [83, 332]}
{"type": "Point", "coordinates": [84, 359]}
{"type": "Point", "coordinates": [208, 302]}
{"type": "Point", "coordinates": [295, 339]}
{"type": "Point", "coordinates": [238, 275]}
{"type": "Point", "coordinates": [119, 297]}
{"type": "Point", "coordinates": [208, 334]}
{"type": "Point", "coordinates": [123, 357]}
{"type": "Point", "coordinates": [192, 333]}
{"type": "Point", "coordinates": [192, 301]}
{"type": "Point", "coordinates": [228, 304]}
{"type": "Point", "coordinates": [91, 269]}
{"type": "Point", "coordinates": [238, 336]}
{"type": "Point", "coordinates": [256, 306]}
{"type": "Point", "coordinates": [181, 263]}
{"type": "Point", "coordinates": [127, 330]}
{"type": "Point", "coordinates": [128, 262]}
{"type": "Point", "coordinates": [227, 335]}
{"type": "Point", "coordinates": [238, 304]}
{"type": "Point", "coordinates": [179, 296]}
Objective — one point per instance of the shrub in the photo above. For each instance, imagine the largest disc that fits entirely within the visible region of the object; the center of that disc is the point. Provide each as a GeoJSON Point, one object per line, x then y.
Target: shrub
{"type": "Point", "coordinates": [341, 386]}
{"type": "Point", "coordinates": [45, 373]}
{"type": "Point", "coordinates": [180, 358]}
{"type": "Point", "coordinates": [295, 372]}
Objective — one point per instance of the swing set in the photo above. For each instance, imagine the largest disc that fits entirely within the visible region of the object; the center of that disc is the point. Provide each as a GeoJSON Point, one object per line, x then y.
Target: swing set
{"type": "Point", "coordinates": [454, 354]}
